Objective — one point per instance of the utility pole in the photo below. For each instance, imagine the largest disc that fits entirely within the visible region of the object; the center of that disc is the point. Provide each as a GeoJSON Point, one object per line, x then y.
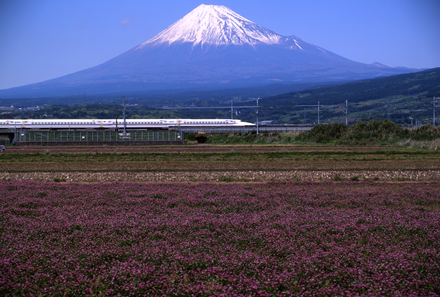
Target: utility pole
{"type": "Point", "coordinates": [416, 121]}
{"type": "Point", "coordinates": [256, 111]}
{"type": "Point", "coordinates": [123, 113]}
{"type": "Point", "coordinates": [232, 109]}
{"type": "Point", "coordinates": [346, 112]}
{"type": "Point", "coordinates": [318, 112]}
{"type": "Point", "coordinates": [433, 109]}
{"type": "Point", "coordinates": [311, 106]}
{"type": "Point", "coordinates": [116, 115]}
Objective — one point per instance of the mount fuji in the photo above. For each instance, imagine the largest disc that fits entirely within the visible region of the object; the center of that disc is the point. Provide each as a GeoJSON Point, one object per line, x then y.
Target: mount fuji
{"type": "Point", "coordinates": [211, 47]}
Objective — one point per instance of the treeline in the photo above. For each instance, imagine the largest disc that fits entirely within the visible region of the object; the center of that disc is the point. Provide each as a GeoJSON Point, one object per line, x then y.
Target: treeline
{"type": "Point", "coordinates": [384, 132]}
{"type": "Point", "coordinates": [367, 133]}
{"type": "Point", "coordinates": [111, 111]}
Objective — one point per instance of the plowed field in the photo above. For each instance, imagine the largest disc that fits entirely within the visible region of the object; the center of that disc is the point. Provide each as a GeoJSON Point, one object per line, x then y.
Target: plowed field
{"type": "Point", "coordinates": [217, 163]}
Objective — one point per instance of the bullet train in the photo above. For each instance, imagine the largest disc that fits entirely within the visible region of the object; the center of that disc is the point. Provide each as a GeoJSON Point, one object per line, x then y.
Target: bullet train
{"type": "Point", "coordinates": [111, 124]}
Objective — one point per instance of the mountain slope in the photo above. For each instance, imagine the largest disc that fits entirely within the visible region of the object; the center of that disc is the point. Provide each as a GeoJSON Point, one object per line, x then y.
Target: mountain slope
{"type": "Point", "coordinates": [211, 47]}
{"type": "Point", "coordinates": [406, 95]}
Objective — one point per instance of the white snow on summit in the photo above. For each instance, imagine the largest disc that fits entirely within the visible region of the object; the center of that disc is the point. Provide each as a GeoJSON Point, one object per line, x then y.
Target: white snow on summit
{"type": "Point", "coordinates": [214, 25]}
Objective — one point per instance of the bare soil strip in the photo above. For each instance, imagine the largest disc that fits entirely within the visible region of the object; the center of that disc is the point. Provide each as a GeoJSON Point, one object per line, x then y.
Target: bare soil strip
{"type": "Point", "coordinates": [219, 164]}
{"type": "Point", "coordinates": [225, 176]}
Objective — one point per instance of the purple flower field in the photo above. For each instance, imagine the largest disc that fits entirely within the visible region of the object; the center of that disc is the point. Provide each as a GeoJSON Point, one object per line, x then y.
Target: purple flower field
{"type": "Point", "coordinates": [280, 238]}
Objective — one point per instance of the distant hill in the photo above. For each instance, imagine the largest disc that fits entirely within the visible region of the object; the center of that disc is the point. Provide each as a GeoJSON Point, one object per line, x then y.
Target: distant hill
{"type": "Point", "coordinates": [404, 99]}
{"type": "Point", "coordinates": [408, 95]}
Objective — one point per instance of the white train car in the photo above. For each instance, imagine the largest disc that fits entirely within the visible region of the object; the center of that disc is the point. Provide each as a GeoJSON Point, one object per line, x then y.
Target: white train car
{"type": "Point", "coordinates": [111, 123]}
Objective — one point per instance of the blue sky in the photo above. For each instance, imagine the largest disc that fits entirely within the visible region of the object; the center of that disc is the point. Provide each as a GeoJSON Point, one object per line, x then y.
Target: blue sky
{"type": "Point", "coordinates": [44, 39]}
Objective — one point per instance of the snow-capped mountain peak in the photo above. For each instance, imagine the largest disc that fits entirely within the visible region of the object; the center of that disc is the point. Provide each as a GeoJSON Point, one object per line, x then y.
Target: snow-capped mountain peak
{"type": "Point", "coordinates": [214, 25]}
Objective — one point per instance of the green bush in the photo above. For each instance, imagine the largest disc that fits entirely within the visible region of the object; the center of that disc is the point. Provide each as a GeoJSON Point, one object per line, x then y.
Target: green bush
{"type": "Point", "coordinates": [425, 132]}
{"type": "Point", "coordinates": [190, 136]}
{"type": "Point", "coordinates": [359, 133]}
{"type": "Point", "coordinates": [324, 133]}
{"type": "Point", "coordinates": [376, 130]}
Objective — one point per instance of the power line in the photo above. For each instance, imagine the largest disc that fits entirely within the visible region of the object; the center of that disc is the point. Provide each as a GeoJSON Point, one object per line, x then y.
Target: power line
{"type": "Point", "coordinates": [311, 106]}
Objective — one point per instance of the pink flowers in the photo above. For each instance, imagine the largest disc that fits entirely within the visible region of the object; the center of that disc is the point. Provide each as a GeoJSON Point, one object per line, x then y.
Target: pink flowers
{"type": "Point", "coordinates": [270, 239]}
